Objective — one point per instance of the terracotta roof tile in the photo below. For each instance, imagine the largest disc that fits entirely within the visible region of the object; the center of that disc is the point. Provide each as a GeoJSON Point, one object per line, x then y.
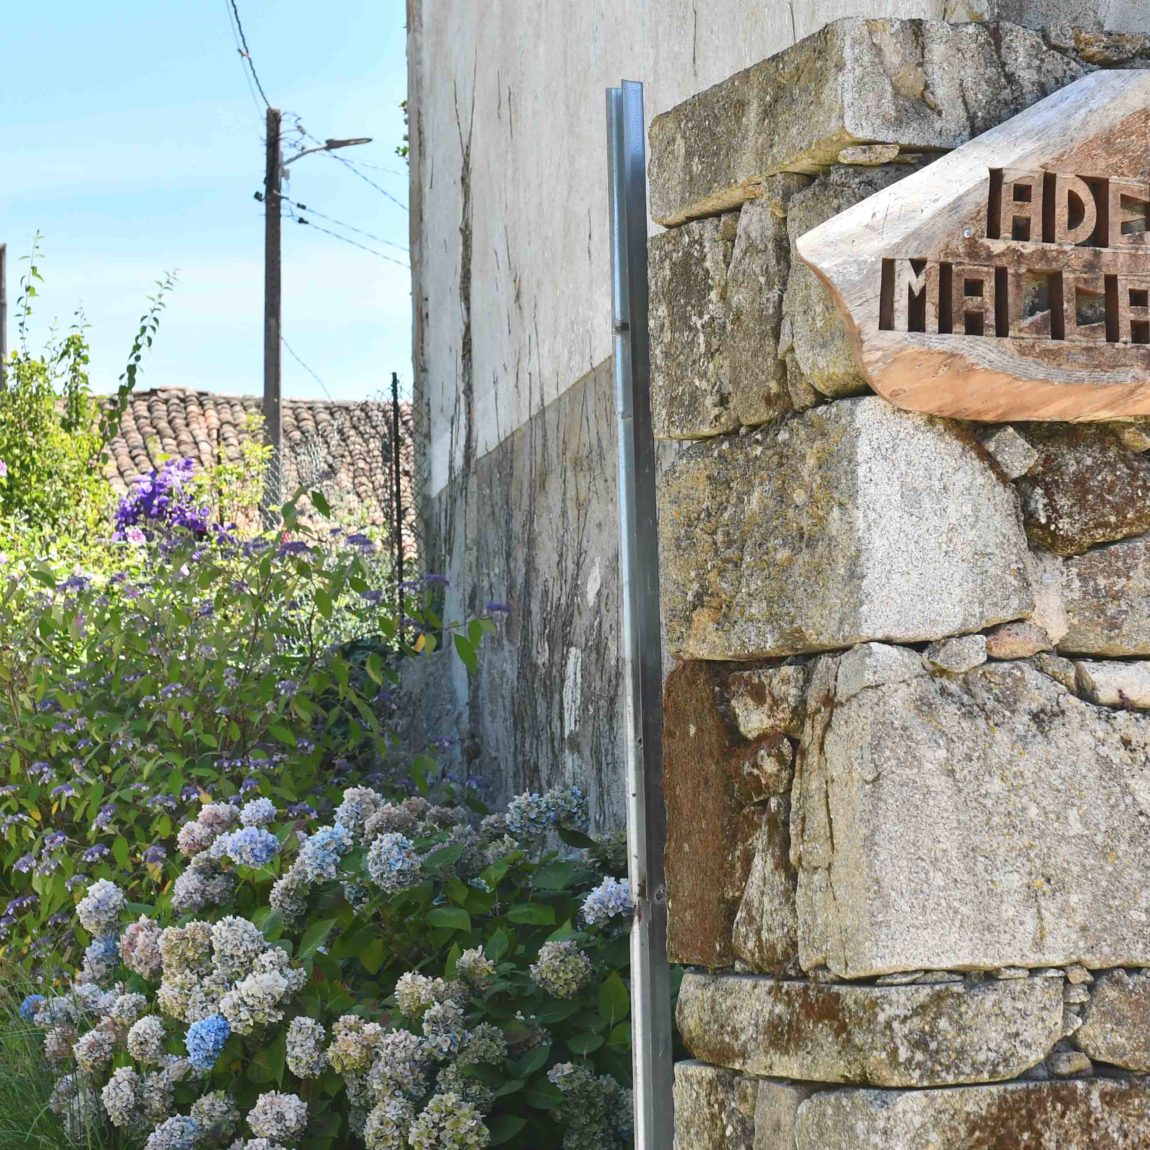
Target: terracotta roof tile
{"type": "Point", "coordinates": [341, 448]}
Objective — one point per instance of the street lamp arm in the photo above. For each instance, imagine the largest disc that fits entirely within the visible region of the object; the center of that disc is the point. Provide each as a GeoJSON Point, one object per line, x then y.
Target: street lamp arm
{"type": "Point", "coordinates": [328, 146]}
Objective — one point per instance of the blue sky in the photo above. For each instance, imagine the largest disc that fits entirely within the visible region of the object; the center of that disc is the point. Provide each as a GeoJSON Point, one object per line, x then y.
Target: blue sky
{"type": "Point", "coordinates": [130, 139]}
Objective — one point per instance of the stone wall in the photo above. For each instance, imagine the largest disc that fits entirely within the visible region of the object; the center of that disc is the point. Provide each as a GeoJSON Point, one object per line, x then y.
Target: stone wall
{"type": "Point", "coordinates": [908, 730]}
{"type": "Point", "coordinates": [511, 291]}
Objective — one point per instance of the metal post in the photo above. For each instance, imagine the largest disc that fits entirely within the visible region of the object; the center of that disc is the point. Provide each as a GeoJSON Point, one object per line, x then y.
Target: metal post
{"type": "Point", "coordinates": [3, 311]}
{"type": "Point", "coordinates": [397, 481]}
{"type": "Point", "coordinates": [273, 415]}
{"type": "Point", "coordinates": [642, 632]}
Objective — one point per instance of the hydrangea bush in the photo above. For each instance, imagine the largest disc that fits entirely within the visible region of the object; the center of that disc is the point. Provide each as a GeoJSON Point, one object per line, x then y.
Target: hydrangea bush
{"type": "Point", "coordinates": [404, 975]}
{"type": "Point", "coordinates": [195, 665]}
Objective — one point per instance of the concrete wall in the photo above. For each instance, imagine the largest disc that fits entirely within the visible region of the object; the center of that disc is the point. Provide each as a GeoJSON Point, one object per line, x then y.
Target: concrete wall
{"type": "Point", "coordinates": [512, 332]}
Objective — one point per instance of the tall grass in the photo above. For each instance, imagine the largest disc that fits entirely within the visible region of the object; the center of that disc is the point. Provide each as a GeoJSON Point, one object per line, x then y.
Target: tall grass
{"type": "Point", "coordinates": [26, 1083]}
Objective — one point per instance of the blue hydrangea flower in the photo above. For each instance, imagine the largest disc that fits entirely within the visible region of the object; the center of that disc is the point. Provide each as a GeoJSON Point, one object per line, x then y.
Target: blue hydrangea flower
{"type": "Point", "coordinates": [206, 1039]}
{"type": "Point", "coordinates": [392, 863]}
{"type": "Point", "coordinates": [251, 846]}
{"type": "Point", "coordinates": [531, 815]}
{"type": "Point", "coordinates": [320, 853]}
{"type": "Point", "coordinates": [258, 813]}
{"type": "Point", "coordinates": [30, 1005]}
{"type": "Point", "coordinates": [611, 898]}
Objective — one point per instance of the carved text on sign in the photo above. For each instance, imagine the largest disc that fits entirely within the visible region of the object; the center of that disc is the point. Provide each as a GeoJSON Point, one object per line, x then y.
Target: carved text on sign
{"type": "Point", "coordinates": [1009, 279]}
{"type": "Point", "coordinates": [1082, 271]}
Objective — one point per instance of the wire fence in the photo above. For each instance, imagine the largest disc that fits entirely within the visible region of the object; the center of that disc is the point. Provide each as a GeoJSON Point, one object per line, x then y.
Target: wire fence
{"type": "Point", "coordinates": [363, 457]}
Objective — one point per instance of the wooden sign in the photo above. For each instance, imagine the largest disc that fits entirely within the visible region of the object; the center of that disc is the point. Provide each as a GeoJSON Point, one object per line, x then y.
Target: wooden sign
{"type": "Point", "coordinates": [1010, 279]}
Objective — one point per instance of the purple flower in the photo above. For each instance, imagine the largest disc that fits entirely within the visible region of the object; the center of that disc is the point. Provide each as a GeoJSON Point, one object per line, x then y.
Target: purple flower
{"type": "Point", "coordinates": [41, 773]}
{"type": "Point", "coordinates": [155, 854]}
{"type": "Point", "coordinates": [94, 854]}
{"type": "Point", "coordinates": [63, 791]}
{"type": "Point", "coordinates": [159, 501]}
{"type": "Point", "coordinates": [24, 864]}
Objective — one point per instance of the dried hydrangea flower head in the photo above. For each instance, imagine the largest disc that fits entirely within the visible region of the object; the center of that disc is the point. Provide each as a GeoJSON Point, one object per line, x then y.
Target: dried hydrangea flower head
{"type": "Point", "coordinates": [177, 1133]}
{"type": "Point", "coordinates": [146, 1041]}
{"type": "Point", "coordinates": [140, 948]}
{"type": "Point", "coordinates": [353, 1044]}
{"type": "Point", "coordinates": [448, 1122]}
{"type": "Point", "coordinates": [475, 968]}
{"type": "Point", "coordinates": [100, 909]}
{"type": "Point", "coordinates": [306, 1039]}
{"type": "Point", "coordinates": [278, 1116]}
{"type": "Point", "coordinates": [416, 993]}
{"type": "Point", "coordinates": [121, 1098]}
{"type": "Point", "coordinates": [387, 1124]}
{"type": "Point", "coordinates": [236, 945]}
{"type": "Point", "coordinates": [217, 1115]}
{"type": "Point", "coordinates": [561, 969]}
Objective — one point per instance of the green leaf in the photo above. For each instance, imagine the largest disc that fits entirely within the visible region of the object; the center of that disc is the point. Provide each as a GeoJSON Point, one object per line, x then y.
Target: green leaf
{"type": "Point", "coordinates": [283, 734]}
{"type": "Point", "coordinates": [320, 503]}
{"type": "Point", "coordinates": [532, 912]}
{"type": "Point", "coordinates": [533, 1060]}
{"type": "Point", "coordinates": [556, 876]}
{"type": "Point", "coordinates": [584, 1043]}
{"type": "Point", "coordinates": [373, 955]}
{"type": "Point", "coordinates": [576, 838]}
{"type": "Point", "coordinates": [504, 1127]}
{"type": "Point", "coordinates": [614, 999]}
{"type": "Point", "coordinates": [443, 857]}
{"type": "Point", "coordinates": [557, 1011]}
{"type": "Point", "coordinates": [543, 1095]}
{"type": "Point", "coordinates": [449, 918]}
{"type": "Point", "coordinates": [267, 1065]}
{"type": "Point", "coordinates": [465, 649]}
{"type": "Point", "coordinates": [620, 1037]}
{"type": "Point", "coordinates": [497, 944]}
{"type": "Point", "coordinates": [315, 936]}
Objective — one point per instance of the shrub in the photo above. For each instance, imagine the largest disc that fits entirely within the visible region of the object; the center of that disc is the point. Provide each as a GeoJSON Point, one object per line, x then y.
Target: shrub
{"type": "Point", "coordinates": [405, 975]}
{"type": "Point", "coordinates": [52, 435]}
{"type": "Point", "coordinates": [193, 665]}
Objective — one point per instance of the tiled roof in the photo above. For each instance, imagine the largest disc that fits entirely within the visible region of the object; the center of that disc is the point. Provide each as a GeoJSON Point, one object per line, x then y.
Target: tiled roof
{"type": "Point", "coordinates": [341, 448]}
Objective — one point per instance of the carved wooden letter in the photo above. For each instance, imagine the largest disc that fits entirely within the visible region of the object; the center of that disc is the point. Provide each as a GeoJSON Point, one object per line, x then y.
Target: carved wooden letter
{"type": "Point", "coordinates": [1133, 309]}
{"type": "Point", "coordinates": [1129, 213]}
{"type": "Point", "coordinates": [1020, 213]}
{"type": "Point", "coordinates": [1075, 212]}
{"type": "Point", "coordinates": [916, 295]}
{"type": "Point", "coordinates": [1084, 297]}
{"type": "Point", "coordinates": [973, 300]}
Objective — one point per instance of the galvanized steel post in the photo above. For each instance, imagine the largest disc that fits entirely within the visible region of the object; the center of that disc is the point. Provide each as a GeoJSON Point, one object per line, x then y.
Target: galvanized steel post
{"type": "Point", "coordinates": [641, 621]}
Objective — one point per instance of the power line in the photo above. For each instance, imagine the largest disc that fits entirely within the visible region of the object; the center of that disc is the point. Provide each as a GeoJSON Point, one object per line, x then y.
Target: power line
{"type": "Point", "coordinates": [348, 227]}
{"type": "Point", "coordinates": [381, 168]}
{"type": "Point", "coordinates": [354, 243]}
{"type": "Point", "coordinates": [350, 165]}
{"type": "Point", "coordinates": [246, 54]}
{"type": "Point", "coordinates": [295, 355]}
{"type": "Point", "coordinates": [336, 235]}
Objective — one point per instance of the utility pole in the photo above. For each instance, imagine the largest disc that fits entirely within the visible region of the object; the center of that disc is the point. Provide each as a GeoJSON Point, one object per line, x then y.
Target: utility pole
{"type": "Point", "coordinates": [3, 311]}
{"type": "Point", "coordinates": [273, 297]}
